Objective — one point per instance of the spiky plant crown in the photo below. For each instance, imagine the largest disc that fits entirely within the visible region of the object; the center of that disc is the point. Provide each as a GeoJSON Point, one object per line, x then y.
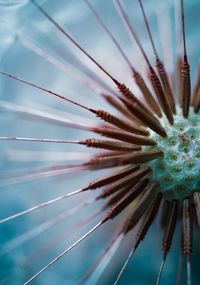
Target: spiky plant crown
{"type": "Point", "coordinates": [153, 146]}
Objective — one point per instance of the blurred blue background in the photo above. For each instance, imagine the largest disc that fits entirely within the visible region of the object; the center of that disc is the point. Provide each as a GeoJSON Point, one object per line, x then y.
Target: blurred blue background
{"type": "Point", "coordinates": [21, 23]}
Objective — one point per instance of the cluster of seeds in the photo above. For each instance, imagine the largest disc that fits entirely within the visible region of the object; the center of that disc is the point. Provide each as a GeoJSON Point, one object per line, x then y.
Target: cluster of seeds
{"type": "Point", "coordinates": [178, 170]}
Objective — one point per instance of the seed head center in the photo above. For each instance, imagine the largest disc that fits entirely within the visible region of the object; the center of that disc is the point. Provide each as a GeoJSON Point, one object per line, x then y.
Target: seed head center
{"type": "Point", "coordinates": [178, 171]}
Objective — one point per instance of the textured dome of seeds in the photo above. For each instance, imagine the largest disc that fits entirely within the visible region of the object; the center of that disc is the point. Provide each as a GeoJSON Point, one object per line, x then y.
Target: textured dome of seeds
{"type": "Point", "coordinates": [178, 172]}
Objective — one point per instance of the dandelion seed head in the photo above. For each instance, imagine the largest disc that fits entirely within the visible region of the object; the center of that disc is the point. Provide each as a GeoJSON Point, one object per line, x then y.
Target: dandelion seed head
{"type": "Point", "coordinates": [178, 170]}
{"type": "Point", "coordinates": [84, 111]}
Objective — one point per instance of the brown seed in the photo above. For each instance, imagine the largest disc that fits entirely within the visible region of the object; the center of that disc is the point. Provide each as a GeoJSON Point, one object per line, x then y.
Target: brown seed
{"type": "Point", "coordinates": [126, 92]}
{"type": "Point", "coordinates": [197, 206]}
{"type": "Point", "coordinates": [119, 123]}
{"type": "Point", "coordinates": [196, 94]}
{"type": "Point", "coordinates": [148, 219]}
{"type": "Point", "coordinates": [126, 159]}
{"type": "Point", "coordinates": [161, 96]}
{"type": "Point", "coordinates": [127, 199]}
{"type": "Point", "coordinates": [166, 85]}
{"type": "Point", "coordinates": [112, 177]}
{"type": "Point", "coordinates": [187, 229]}
{"type": "Point", "coordinates": [117, 105]}
{"type": "Point", "coordinates": [111, 145]}
{"type": "Point", "coordinates": [127, 181]}
{"type": "Point", "coordinates": [147, 94]}
{"type": "Point", "coordinates": [170, 228]}
{"type": "Point", "coordinates": [149, 120]}
{"type": "Point", "coordinates": [186, 87]}
{"type": "Point", "coordinates": [124, 136]}
{"type": "Point", "coordinates": [139, 209]}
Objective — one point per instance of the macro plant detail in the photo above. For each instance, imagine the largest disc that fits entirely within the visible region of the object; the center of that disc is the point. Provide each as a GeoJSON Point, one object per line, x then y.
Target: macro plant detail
{"type": "Point", "coordinates": [179, 168]}
{"type": "Point", "coordinates": [148, 149]}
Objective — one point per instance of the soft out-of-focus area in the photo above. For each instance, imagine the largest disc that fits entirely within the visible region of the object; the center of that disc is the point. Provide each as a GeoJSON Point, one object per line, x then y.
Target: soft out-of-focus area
{"type": "Point", "coordinates": [33, 49]}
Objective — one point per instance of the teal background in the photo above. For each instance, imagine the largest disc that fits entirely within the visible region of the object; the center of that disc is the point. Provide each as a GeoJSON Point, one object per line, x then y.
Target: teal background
{"type": "Point", "coordinates": [19, 19]}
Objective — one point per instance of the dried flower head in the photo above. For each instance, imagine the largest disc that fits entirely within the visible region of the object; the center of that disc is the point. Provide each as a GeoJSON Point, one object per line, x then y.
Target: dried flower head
{"type": "Point", "coordinates": [151, 145]}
